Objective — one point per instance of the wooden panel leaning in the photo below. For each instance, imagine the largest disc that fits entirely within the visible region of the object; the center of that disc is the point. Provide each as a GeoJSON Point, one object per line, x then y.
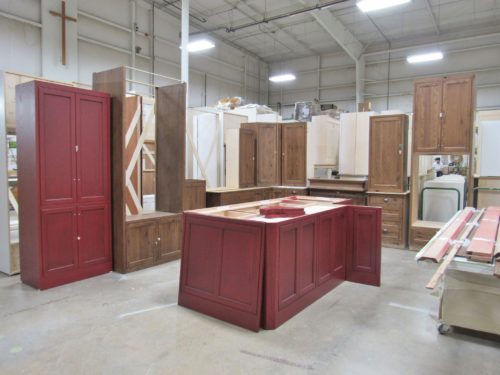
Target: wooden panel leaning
{"type": "Point", "coordinates": [170, 147]}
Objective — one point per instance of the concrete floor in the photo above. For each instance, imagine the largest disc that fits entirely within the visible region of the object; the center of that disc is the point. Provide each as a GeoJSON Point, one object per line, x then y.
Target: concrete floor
{"type": "Point", "coordinates": [116, 324]}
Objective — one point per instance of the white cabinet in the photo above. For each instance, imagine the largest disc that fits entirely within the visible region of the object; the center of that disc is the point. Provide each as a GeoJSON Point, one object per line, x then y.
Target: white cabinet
{"type": "Point", "coordinates": [354, 143]}
{"type": "Point", "coordinates": [322, 143]}
{"type": "Point", "coordinates": [488, 142]}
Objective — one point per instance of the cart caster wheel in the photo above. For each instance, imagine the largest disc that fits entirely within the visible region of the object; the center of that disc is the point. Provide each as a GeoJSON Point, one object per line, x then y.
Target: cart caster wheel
{"type": "Point", "coordinates": [443, 328]}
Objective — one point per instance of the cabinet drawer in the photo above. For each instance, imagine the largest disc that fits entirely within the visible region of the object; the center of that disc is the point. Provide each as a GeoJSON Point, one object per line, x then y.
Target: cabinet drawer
{"type": "Point", "coordinates": [420, 236]}
{"type": "Point", "coordinates": [391, 231]}
{"type": "Point", "coordinates": [388, 203]}
{"type": "Point", "coordinates": [391, 216]}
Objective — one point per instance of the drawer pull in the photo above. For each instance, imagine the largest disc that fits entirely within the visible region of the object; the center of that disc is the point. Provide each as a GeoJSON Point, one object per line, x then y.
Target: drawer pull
{"type": "Point", "coordinates": [386, 200]}
{"type": "Point", "coordinates": [385, 230]}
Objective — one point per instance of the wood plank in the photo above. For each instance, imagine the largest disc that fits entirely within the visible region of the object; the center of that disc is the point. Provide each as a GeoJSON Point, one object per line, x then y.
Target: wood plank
{"type": "Point", "coordinates": [171, 147]}
{"type": "Point", "coordinates": [133, 132]}
{"type": "Point", "coordinates": [453, 251]}
{"type": "Point", "coordinates": [113, 82]}
{"type": "Point", "coordinates": [438, 248]}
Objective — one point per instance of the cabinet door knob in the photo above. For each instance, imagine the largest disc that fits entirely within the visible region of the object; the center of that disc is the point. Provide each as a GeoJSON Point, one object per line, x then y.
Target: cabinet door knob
{"type": "Point", "coordinates": [385, 230]}
{"type": "Point", "coordinates": [158, 239]}
{"type": "Point", "coordinates": [386, 200]}
{"type": "Point", "coordinates": [78, 238]}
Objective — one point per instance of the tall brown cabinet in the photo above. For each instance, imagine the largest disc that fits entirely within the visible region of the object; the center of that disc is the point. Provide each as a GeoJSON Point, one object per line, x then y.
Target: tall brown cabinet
{"type": "Point", "coordinates": [279, 156]}
{"type": "Point", "coordinates": [443, 116]}
{"type": "Point", "coordinates": [388, 177]}
{"type": "Point", "coordinates": [146, 239]}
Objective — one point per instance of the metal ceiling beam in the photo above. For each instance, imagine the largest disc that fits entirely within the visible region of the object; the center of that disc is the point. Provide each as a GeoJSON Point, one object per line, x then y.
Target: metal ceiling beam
{"type": "Point", "coordinates": [345, 39]}
{"type": "Point", "coordinates": [281, 29]}
{"type": "Point", "coordinates": [336, 29]}
{"type": "Point", "coordinates": [433, 17]}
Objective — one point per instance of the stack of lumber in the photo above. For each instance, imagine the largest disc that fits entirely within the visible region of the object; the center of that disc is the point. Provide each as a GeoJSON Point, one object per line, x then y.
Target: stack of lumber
{"type": "Point", "coordinates": [482, 246]}
{"type": "Point", "coordinates": [471, 234]}
{"type": "Point", "coordinates": [440, 244]}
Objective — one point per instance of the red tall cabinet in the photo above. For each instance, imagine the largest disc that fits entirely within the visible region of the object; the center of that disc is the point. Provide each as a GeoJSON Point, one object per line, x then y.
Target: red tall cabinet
{"type": "Point", "coordinates": [64, 183]}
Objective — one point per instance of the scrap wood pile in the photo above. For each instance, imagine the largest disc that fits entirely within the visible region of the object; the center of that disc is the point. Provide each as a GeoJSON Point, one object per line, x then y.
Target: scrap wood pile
{"type": "Point", "coordinates": [472, 234]}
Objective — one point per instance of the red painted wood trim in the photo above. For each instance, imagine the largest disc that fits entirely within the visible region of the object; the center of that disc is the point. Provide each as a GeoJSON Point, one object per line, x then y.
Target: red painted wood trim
{"type": "Point", "coordinates": [364, 251]}
{"type": "Point", "coordinates": [482, 244]}
{"type": "Point", "coordinates": [440, 246]}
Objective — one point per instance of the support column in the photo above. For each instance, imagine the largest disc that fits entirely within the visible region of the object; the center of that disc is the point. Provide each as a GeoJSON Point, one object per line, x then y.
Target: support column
{"type": "Point", "coordinates": [185, 67]}
{"type": "Point", "coordinates": [184, 42]}
{"type": "Point", "coordinates": [360, 80]}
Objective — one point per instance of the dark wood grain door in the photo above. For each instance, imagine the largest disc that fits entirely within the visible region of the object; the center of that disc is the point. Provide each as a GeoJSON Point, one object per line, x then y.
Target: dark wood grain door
{"type": "Point", "coordinates": [293, 148]}
{"type": "Point", "coordinates": [169, 238]}
{"type": "Point", "coordinates": [140, 242]}
{"type": "Point", "coordinates": [94, 244]}
{"type": "Point", "coordinates": [92, 138]}
{"type": "Point", "coordinates": [268, 155]}
{"type": "Point", "coordinates": [247, 158]}
{"type": "Point", "coordinates": [57, 146]}
{"type": "Point", "coordinates": [457, 114]}
{"type": "Point", "coordinates": [388, 154]}
{"type": "Point", "coordinates": [427, 105]}
{"type": "Point", "coordinates": [365, 244]}
{"type": "Point", "coordinates": [59, 240]}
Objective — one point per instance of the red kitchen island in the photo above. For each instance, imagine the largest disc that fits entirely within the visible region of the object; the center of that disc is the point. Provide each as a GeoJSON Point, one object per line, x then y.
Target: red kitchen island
{"type": "Point", "coordinates": [253, 271]}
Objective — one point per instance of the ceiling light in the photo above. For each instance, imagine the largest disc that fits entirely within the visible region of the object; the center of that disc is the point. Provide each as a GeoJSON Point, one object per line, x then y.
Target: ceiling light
{"type": "Point", "coordinates": [282, 78]}
{"type": "Point", "coordinates": [425, 57]}
{"type": "Point", "coordinates": [200, 45]}
{"type": "Point", "coordinates": [371, 5]}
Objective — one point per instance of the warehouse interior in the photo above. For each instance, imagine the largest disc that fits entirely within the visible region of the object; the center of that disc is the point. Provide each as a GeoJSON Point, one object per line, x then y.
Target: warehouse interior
{"type": "Point", "coordinates": [253, 186]}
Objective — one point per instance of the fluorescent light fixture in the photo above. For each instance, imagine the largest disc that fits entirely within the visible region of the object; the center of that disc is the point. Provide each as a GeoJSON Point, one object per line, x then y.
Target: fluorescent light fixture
{"type": "Point", "coordinates": [425, 57]}
{"type": "Point", "coordinates": [282, 78]}
{"type": "Point", "coordinates": [200, 45]}
{"type": "Point", "coordinates": [371, 5]}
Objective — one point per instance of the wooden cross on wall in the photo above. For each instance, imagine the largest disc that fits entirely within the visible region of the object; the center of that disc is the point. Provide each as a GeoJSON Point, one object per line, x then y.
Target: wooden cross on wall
{"type": "Point", "coordinates": [64, 18]}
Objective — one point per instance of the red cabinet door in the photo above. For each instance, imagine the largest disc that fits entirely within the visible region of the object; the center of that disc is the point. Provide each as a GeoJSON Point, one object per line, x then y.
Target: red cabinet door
{"type": "Point", "coordinates": [92, 138]}
{"type": "Point", "coordinates": [364, 249]}
{"type": "Point", "coordinates": [59, 236]}
{"type": "Point", "coordinates": [332, 242]}
{"type": "Point", "coordinates": [94, 243]}
{"type": "Point", "coordinates": [222, 269]}
{"type": "Point", "coordinates": [296, 273]}
{"type": "Point", "coordinates": [57, 146]}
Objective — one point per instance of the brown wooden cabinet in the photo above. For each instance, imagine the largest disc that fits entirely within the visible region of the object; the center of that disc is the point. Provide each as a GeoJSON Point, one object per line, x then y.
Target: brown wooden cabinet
{"type": "Point", "coordinates": [152, 239]}
{"type": "Point", "coordinates": [268, 152]}
{"type": "Point", "coordinates": [394, 217]}
{"type": "Point", "coordinates": [293, 157]}
{"type": "Point", "coordinates": [278, 156]}
{"type": "Point", "coordinates": [388, 154]}
{"type": "Point", "coordinates": [443, 114]}
{"type": "Point", "coordinates": [194, 195]}
{"type": "Point", "coordinates": [357, 198]}
{"type": "Point", "coordinates": [422, 232]}
{"type": "Point", "coordinates": [135, 237]}
{"type": "Point", "coordinates": [247, 157]}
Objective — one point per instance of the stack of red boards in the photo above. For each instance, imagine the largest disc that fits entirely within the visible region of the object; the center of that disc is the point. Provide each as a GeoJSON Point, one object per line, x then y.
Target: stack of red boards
{"type": "Point", "coordinates": [439, 247]}
{"type": "Point", "coordinates": [482, 245]}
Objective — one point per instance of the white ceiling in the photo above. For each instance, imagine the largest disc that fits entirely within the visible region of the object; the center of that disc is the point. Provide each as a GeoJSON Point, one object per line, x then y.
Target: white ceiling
{"type": "Point", "coordinates": [421, 21]}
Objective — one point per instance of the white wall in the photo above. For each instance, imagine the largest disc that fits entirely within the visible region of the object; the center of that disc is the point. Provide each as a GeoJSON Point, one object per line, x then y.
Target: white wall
{"type": "Point", "coordinates": [335, 80]}
{"type": "Point", "coordinates": [103, 39]}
